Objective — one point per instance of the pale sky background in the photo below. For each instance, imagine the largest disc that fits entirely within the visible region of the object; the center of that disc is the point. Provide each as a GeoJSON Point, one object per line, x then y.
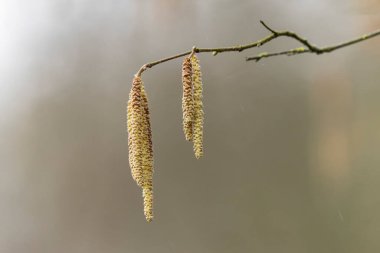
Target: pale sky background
{"type": "Point", "coordinates": [292, 144]}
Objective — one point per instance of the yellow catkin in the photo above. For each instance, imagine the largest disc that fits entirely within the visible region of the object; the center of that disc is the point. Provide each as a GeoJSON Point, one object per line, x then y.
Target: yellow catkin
{"type": "Point", "coordinates": [148, 203]}
{"type": "Point", "coordinates": [187, 99]}
{"type": "Point", "coordinates": [147, 159]}
{"type": "Point", "coordinates": [134, 123]}
{"type": "Point", "coordinates": [147, 136]}
{"type": "Point", "coordinates": [198, 108]}
{"type": "Point", "coordinates": [140, 143]}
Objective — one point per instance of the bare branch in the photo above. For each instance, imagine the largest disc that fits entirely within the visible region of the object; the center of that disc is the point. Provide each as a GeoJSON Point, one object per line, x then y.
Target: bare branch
{"type": "Point", "coordinates": [309, 48]}
{"type": "Point", "coordinates": [314, 49]}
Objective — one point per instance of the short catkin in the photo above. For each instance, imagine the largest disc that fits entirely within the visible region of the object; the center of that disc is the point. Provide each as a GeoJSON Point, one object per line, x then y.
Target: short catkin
{"type": "Point", "coordinates": [140, 143]}
{"type": "Point", "coordinates": [187, 99]}
{"type": "Point", "coordinates": [198, 108]}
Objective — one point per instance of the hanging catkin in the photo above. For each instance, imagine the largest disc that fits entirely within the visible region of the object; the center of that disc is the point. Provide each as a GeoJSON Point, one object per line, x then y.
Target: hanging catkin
{"type": "Point", "coordinates": [140, 143]}
{"type": "Point", "coordinates": [198, 107]}
{"type": "Point", "coordinates": [187, 99]}
{"type": "Point", "coordinates": [147, 159]}
{"type": "Point", "coordinates": [134, 121]}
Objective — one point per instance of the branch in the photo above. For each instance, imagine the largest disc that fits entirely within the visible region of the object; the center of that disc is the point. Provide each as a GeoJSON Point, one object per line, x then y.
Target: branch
{"type": "Point", "coordinates": [308, 47]}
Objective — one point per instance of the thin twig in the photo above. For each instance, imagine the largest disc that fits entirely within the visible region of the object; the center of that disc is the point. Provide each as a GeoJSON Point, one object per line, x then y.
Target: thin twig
{"type": "Point", "coordinates": [309, 48]}
{"type": "Point", "coordinates": [267, 27]}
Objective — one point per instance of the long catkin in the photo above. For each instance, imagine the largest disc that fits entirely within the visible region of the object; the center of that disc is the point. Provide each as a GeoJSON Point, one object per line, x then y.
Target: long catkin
{"type": "Point", "coordinates": [187, 99]}
{"type": "Point", "coordinates": [140, 143]}
{"type": "Point", "coordinates": [134, 123]}
{"type": "Point", "coordinates": [147, 159]}
{"type": "Point", "coordinates": [198, 108]}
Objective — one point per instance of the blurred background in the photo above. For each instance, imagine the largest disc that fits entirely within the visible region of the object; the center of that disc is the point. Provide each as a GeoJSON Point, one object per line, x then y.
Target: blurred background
{"type": "Point", "coordinates": [292, 144]}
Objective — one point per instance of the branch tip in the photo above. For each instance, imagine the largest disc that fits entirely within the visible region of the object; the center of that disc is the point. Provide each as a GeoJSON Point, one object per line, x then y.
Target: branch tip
{"type": "Point", "coordinates": [268, 28]}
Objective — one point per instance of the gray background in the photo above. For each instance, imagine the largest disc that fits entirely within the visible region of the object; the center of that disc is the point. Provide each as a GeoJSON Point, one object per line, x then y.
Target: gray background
{"type": "Point", "coordinates": [291, 143]}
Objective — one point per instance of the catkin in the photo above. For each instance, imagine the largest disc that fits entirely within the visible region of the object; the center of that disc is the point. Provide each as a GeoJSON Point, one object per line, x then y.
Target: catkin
{"type": "Point", "coordinates": [187, 99]}
{"type": "Point", "coordinates": [134, 122]}
{"type": "Point", "coordinates": [198, 108]}
{"type": "Point", "coordinates": [147, 159]}
{"type": "Point", "coordinates": [140, 143]}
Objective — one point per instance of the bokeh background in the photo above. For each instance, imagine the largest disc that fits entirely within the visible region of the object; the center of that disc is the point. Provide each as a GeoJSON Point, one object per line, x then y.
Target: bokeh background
{"type": "Point", "coordinates": [291, 143]}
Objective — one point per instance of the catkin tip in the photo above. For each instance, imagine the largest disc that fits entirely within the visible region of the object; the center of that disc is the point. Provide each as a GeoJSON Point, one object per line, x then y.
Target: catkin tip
{"type": "Point", "coordinates": [148, 203]}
